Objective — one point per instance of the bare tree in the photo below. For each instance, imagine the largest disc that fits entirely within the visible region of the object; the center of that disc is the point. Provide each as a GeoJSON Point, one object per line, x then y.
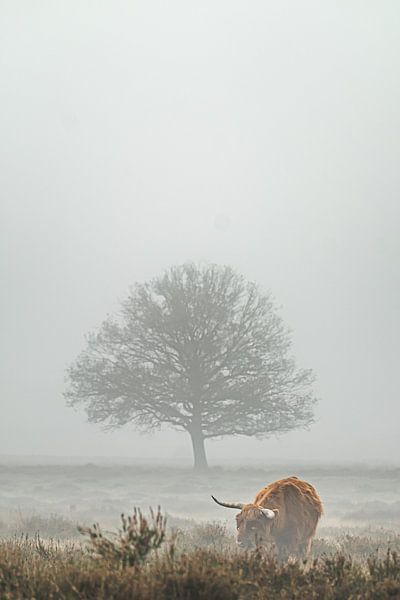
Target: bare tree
{"type": "Point", "coordinates": [199, 349]}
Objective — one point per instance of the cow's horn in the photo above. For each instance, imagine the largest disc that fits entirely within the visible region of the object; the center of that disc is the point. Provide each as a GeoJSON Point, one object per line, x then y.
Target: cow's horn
{"type": "Point", "coordinates": [229, 504]}
{"type": "Point", "coordinates": [268, 513]}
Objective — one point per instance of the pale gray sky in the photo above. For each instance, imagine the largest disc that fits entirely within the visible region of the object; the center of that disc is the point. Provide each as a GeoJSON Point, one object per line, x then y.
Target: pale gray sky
{"type": "Point", "coordinates": [265, 135]}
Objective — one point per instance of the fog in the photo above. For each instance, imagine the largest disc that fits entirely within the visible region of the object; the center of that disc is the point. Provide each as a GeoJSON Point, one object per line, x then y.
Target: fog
{"type": "Point", "coordinates": [263, 135]}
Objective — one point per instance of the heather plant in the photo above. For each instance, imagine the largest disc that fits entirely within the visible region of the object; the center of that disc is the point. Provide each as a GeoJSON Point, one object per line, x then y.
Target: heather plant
{"type": "Point", "coordinates": [132, 543]}
{"type": "Point", "coordinates": [52, 526]}
{"type": "Point", "coordinates": [212, 536]}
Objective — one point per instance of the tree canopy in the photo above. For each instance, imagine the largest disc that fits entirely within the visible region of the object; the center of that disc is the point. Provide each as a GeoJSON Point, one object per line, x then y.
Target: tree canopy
{"type": "Point", "coordinates": [199, 349]}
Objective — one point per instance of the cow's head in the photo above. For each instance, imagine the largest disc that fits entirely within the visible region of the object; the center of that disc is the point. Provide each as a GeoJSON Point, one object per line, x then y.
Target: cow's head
{"type": "Point", "coordinates": [253, 523]}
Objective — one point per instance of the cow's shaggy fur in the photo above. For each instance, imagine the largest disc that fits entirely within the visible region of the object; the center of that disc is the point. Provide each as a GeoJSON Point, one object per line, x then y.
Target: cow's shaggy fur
{"type": "Point", "coordinates": [297, 509]}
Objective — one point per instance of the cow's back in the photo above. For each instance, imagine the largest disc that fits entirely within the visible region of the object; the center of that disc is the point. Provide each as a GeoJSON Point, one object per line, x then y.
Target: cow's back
{"type": "Point", "coordinates": [299, 509]}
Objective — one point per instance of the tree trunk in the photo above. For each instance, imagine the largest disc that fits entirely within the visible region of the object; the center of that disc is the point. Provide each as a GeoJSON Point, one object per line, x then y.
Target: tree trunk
{"type": "Point", "coordinates": [199, 452]}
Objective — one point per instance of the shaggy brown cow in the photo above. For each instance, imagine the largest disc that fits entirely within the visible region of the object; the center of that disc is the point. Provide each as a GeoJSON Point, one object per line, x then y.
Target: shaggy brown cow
{"type": "Point", "coordinates": [284, 513]}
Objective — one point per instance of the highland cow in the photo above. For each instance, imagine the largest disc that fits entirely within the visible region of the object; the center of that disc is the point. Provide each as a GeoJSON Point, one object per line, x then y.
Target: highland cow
{"type": "Point", "coordinates": [284, 513]}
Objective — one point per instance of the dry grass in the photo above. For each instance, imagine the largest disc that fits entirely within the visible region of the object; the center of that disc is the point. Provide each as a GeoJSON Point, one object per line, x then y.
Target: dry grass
{"type": "Point", "coordinates": [202, 562]}
{"type": "Point", "coordinates": [54, 526]}
{"type": "Point", "coordinates": [199, 563]}
{"type": "Point", "coordinates": [25, 572]}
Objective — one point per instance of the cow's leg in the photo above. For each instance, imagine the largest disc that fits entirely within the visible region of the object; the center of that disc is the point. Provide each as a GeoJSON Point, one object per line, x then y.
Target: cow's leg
{"type": "Point", "coordinates": [308, 547]}
{"type": "Point", "coordinates": [304, 551]}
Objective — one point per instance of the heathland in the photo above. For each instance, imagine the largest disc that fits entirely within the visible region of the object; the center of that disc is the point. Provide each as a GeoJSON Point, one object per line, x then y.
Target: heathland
{"type": "Point", "coordinates": [42, 554]}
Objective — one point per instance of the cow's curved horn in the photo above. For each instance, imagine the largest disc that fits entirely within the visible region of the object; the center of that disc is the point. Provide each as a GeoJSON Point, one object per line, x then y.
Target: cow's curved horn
{"type": "Point", "coordinates": [237, 505]}
{"type": "Point", "coordinates": [267, 512]}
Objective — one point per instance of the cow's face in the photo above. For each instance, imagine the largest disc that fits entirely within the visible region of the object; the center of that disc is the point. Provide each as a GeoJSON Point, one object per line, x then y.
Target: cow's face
{"type": "Point", "coordinates": [254, 525]}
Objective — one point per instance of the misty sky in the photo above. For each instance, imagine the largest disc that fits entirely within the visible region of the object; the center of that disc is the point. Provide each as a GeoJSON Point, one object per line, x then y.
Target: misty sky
{"type": "Point", "coordinates": [263, 135]}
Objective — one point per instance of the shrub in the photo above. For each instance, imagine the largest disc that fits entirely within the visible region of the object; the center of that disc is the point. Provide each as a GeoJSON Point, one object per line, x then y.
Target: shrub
{"type": "Point", "coordinates": [133, 542]}
{"type": "Point", "coordinates": [54, 526]}
{"type": "Point", "coordinates": [212, 536]}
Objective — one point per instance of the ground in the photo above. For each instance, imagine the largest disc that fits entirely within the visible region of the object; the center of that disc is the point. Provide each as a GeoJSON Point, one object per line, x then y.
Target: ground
{"type": "Point", "coordinates": [355, 553]}
{"type": "Point", "coordinates": [356, 495]}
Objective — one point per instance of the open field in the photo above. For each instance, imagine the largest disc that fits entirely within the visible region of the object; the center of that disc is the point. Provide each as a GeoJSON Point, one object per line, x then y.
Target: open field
{"type": "Point", "coordinates": [352, 496]}
{"type": "Point", "coordinates": [355, 553]}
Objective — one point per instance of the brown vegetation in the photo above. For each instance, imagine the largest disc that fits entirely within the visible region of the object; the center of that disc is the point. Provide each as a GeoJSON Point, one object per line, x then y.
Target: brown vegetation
{"type": "Point", "coordinates": [201, 574]}
{"type": "Point", "coordinates": [198, 564]}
